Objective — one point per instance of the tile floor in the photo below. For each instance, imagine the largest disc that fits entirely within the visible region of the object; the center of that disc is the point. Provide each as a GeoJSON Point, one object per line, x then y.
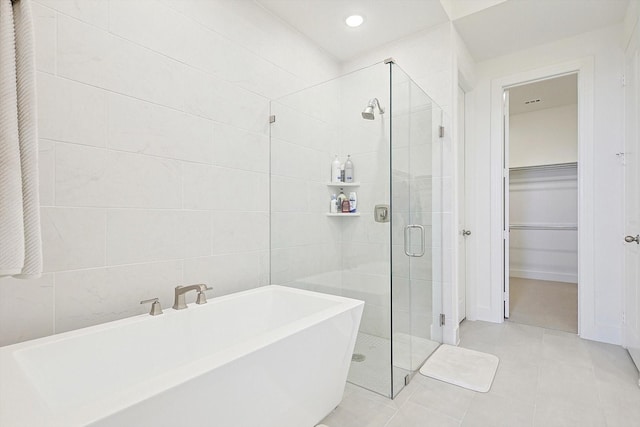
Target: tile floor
{"type": "Point", "coordinates": [552, 305]}
{"type": "Point", "coordinates": [546, 378]}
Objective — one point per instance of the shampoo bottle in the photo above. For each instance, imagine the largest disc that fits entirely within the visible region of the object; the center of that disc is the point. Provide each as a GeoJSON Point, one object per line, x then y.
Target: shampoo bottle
{"type": "Point", "coordinates": [353, 201]}
{"type": "Point", "coordinates": [348, 170]}
{"type": "Point", "coordinates": [335, 170]}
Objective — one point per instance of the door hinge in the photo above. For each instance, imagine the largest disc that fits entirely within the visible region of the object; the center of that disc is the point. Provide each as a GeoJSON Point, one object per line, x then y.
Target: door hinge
{"type": "Point", "coordinates": [272, 119]}
{"type": "Point", "coordinates": [407, 379]}
{"type": "Point", "coordinates": [441, 132]}
{"type": "Point", "coordinates": [504, 296]}
{"type": "Point", "coordinates": [623, 80]}
{"type": "Point", "coordinates": [505, 234]}
{"type": "Point", "coordinates": [624, 318]}
{"type": "Point", "coordinates": [442, 319]}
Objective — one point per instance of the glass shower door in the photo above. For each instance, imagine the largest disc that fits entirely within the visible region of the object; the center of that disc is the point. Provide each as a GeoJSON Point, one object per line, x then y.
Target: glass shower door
{"type": "Point", "coordinates": [415, 214]}
{"type": "Point", "coordinates": [392, 265]}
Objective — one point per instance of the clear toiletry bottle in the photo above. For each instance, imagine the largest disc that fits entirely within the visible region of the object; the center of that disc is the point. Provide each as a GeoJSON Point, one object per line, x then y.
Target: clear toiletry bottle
{"type": "Point", "coordinates": [348, 170]}
{"type": "Point", "coordinates": [336, 172]}
{"type": "Point", "coordinates": [353, 202]}
{"type": "Point", "coordinates": [333, 207]}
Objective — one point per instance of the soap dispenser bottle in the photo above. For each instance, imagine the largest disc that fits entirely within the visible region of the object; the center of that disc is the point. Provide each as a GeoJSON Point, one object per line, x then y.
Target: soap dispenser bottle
{"type": "Point", "coordinates": [348, 170]}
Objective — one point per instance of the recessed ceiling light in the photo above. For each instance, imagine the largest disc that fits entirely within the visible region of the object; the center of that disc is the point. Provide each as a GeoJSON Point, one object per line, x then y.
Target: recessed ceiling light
{"type": "Point", "coordinates": [354, 20]}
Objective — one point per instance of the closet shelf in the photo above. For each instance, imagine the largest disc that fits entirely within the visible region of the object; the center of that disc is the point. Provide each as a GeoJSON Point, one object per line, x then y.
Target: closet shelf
{"type": "Point", "coordinates": [543, 227]}
{"type": "Point", "coordinates": [551, 166]}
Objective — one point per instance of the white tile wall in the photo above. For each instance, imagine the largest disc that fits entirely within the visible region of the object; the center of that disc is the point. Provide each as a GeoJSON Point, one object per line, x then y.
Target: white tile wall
{"type": "Point", "coordinates": [146, 128]}
{"type": "Point", "coordinates": [71, 112]}
{"type": "Point", "coordinates": [117, 64]}
{"type": "Point", "coordinates": [235, 231]}
{"type": "Point", "coordinates": [73, 238]}
{"type": "Point", "coordinates": [154, 153]}
{"type": "Point", "coordinates": [44, 21]}
{"type": "Point", "coordinates": [240, 149]}
{"type": "Point", "coordinates": [94, 12]}
{"type": "Point", "coordinates": [47, 170]}
{"type": "Point", "coordinates": [27, 308]}
{"type": "Point", "coordinates": [87, 176]}
{"type": "Point", "coordinates": [152, 235]}
{"type": "Point", "coordinates": [225, 189]}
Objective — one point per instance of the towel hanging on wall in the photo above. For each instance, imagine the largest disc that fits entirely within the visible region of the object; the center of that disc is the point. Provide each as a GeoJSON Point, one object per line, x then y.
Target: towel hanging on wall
{"type": "Point", "coordinates": [20, 236]}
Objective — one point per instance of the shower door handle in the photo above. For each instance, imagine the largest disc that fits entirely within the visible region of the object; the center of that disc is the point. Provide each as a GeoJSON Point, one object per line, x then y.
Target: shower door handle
{"type": "Point", "coordinates": [407, 230]}
{"type": "Point", "coordinates": [631, 239]}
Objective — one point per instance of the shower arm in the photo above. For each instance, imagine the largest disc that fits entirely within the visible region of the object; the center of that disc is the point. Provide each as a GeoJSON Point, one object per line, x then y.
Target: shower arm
{"type": "Point", "coordinates": [374, 102]}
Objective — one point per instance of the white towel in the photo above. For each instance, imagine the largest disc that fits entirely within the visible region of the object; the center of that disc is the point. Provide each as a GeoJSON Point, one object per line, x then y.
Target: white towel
{"type": "Point", "coordinates": [20, 236]}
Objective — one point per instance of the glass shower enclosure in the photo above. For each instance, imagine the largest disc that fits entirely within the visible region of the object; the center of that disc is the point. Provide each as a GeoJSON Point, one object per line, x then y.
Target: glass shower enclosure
{"type": "Point", "coordinates": [386, 252]}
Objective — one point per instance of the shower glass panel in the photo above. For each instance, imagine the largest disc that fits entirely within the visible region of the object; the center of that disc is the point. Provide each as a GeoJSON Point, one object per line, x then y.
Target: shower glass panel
{"type": "Point", "coordinates": [393, 264]}
{"type": "Point", "coordinates": [416, 296]}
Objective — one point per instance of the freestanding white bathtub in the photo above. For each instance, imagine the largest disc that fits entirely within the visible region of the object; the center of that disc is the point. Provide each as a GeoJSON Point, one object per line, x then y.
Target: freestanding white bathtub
{"type": "Point", "coordinates": [269, 357]}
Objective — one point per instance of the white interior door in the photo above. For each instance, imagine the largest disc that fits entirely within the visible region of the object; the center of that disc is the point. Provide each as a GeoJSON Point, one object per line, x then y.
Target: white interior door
{"type": "Point", "coordinates": [632, 201]}
{"type": "Point", "coordinates": [463, 233]}
{"type": "Point", "coordinates": [505, 205]}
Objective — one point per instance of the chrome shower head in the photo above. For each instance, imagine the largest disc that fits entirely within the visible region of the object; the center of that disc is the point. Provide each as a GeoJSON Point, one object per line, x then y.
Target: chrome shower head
{"type": "Point", "coordinates": [367, 114]}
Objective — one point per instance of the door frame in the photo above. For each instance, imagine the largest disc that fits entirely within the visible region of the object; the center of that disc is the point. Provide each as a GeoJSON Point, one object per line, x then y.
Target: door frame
{"type": "Point", "coordinates": [506, 207]}
{"type": "Point", "coordinates": [584, 68]}
{"type": "Point", "coordinates": [461, 175]}
{"type": "Point", "coordinates": [630, 333]}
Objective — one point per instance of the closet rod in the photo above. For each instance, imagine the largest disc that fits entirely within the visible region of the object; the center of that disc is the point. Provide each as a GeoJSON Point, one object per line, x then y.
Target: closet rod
{"type": "Point", "coordinates": [541, 227]}
{"type": "Point", "coordinates": [552, 166]}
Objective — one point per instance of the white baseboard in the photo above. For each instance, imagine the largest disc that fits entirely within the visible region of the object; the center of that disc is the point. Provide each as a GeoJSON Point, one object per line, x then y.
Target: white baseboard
{"type": "Point", "coordinates": [544, 275]}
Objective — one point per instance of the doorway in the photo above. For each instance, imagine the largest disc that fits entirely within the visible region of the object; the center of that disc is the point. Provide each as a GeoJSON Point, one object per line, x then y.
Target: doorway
{"type": "Point", "coordinates": [541, 203]}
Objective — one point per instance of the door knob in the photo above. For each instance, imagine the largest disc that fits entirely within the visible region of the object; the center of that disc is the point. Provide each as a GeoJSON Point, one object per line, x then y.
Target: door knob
{"type": "Point", "coordinates": [631, 239]}
{"type": "Point", "coordinates": [466, 232]}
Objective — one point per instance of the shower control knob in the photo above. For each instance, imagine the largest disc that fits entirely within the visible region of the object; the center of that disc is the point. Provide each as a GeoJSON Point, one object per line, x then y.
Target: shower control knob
{"type": "Point", "coordinates": [466, 232]}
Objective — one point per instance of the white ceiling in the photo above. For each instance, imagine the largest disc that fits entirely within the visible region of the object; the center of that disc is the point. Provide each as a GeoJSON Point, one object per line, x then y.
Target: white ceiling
{"type": "Point", "coordinates": [490, 28]}
{"type": "Point", "coordinates": [385, 20]}
{"type": "Point", "coordinates": [519, 24]}
{"type": "Point", "coordinates": [551, 93]}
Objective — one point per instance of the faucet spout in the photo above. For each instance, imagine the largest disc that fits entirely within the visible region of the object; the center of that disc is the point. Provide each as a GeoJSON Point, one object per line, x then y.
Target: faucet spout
{"type": "Point", "coordinates": [179, 302]}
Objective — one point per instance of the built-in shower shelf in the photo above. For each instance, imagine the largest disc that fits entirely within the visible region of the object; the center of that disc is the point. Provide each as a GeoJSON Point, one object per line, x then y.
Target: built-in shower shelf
{"type": "Point", "coordinates": [343, 184]}
{"type": "Point", "coordinates": [344, 214]}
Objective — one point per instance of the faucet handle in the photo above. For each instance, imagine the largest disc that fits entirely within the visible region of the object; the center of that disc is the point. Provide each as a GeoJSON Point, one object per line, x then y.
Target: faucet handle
{"type": "Point", "coordinates": [202, 298]}
{"type": "Point", "coordinates": [156, 308]}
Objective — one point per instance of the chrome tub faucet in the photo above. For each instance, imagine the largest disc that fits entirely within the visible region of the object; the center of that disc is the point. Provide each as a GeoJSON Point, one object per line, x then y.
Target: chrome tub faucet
{"type": "Point", "coordinates": [179, 302]}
